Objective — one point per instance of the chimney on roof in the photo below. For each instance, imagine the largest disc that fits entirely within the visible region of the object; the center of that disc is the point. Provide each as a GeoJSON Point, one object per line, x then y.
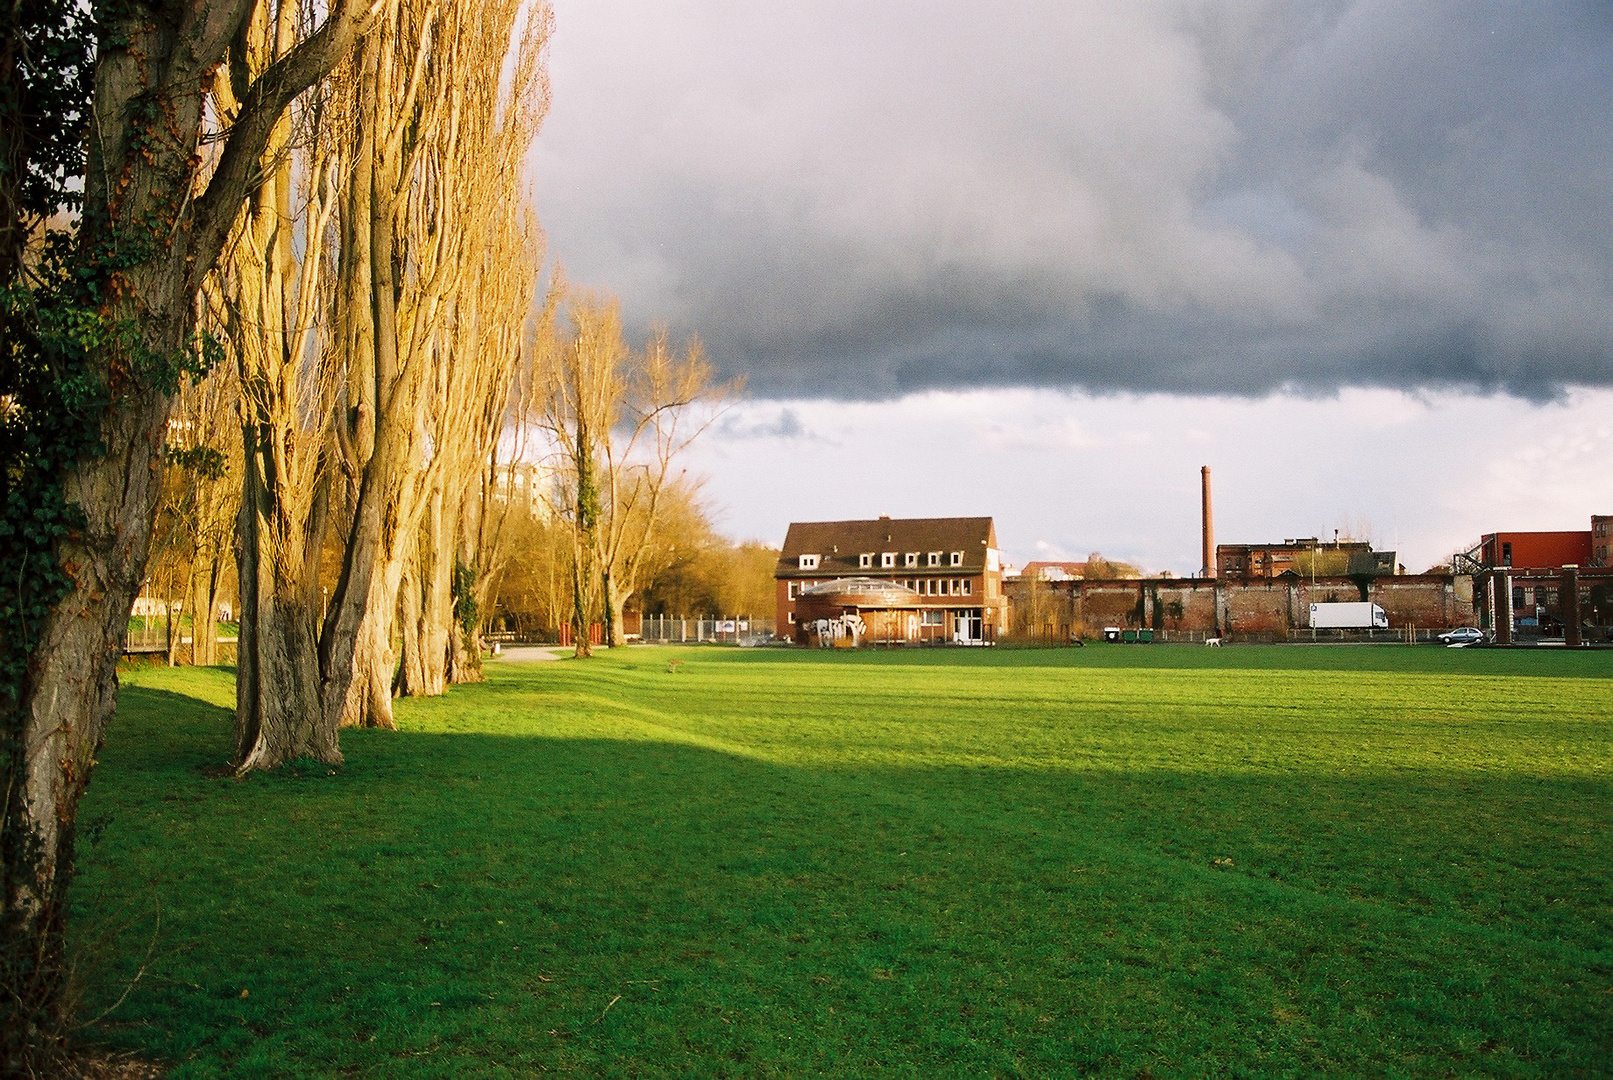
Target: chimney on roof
{"type": "Point", "coordinates": [1208, 569]}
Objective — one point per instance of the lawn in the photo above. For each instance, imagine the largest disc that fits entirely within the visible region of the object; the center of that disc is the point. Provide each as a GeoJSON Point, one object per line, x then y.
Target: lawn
{"type": "Point", "coordinates": [1129, 861]}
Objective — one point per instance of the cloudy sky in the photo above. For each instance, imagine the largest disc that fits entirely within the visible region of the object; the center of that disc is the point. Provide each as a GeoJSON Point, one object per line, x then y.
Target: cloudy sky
{"type": "Point", "coordinates": [1044, 260]}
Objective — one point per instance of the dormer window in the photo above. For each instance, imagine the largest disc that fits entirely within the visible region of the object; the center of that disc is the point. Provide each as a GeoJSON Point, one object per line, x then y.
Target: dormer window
{"type": "Point", "coordinates": [809, 562]}
{"type": "Point", "coordinates": [935, 558]}
{"type": "Point", "coordinates": [865, 560]}
{"type": "Point", "coordinates": [910, 559]}
{"type": "Point", "coordinates": [957, 558]}
{"type": "Point", "coordinates": [887, 559]}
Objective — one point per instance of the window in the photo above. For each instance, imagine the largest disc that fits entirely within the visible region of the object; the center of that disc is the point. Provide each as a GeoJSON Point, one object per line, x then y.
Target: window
{"type": "Point", "coordinates": [957, 558]}
{"type": "Point", "coordinates": [910, 559]}
{"type": "Point", "coordinates": [968, 587]}
{"type": "Point", "coordinates": [932, 617]}
{"type": "Point", "coordinates": [946, 587]}
{"type": "Point", "coordinates": [1506, 554]}
{"type": "Point", "coordinates": [887, 559]}
{"type": "Point", "coordinates": [809, 562]}
{"type": "Point", "coordinates": [790, 618]}
{"type": "Point", "coordinates": [865, 560]}
{"type": "Point", "coordinates": [792, 590]}
{"type": "Point", "coordinates": [935, 558]}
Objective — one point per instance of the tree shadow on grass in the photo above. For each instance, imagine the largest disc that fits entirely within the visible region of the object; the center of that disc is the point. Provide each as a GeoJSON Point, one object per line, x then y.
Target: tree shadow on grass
{"type": "Point", "coordinates": [472, 904]}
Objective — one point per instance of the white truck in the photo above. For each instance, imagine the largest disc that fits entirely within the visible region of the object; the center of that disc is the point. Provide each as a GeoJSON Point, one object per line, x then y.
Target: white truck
{"type": "Point", "coordinates": [1358, 616]}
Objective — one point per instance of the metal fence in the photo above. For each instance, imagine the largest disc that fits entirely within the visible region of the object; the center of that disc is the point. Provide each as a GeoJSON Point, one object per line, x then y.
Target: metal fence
{"type": "Point", "coordinates": [729, 630]}
{"type": "Point", "coordinates": [153, 639]}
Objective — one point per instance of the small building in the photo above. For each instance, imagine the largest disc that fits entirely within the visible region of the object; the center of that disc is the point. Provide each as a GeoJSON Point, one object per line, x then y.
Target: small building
{"type": "Point", "coordinates": [951, 566]}
{"type": "Point", "coordinates": [858, 611]}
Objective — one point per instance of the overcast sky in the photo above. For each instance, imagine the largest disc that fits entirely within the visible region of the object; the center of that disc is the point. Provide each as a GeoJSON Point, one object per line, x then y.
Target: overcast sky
{"type": "Point", "coordinates": [1043, 260]}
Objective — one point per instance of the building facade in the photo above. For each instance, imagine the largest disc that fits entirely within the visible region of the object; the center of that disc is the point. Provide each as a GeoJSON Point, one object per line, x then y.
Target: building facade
{"type": "Point", "coordinates": [1535, 550]}
{"type": "Point", "coordinates": [1602, 540]}
{"type": "Point", "coordinates": [1307, 556]}
{"type": "Point", "coordinates": [951, 566]}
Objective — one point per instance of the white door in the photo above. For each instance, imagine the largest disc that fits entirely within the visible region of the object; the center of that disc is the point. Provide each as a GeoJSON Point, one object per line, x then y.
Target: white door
{"type": "Point", "coordinates": [966, 629]}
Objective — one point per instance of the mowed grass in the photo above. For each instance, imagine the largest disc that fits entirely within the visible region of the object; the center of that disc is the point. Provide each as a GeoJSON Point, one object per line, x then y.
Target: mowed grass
{"type": "Point", "coordinates": [1125, 861]}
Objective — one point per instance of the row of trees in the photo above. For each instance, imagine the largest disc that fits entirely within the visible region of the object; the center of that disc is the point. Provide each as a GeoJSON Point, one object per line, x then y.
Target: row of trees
{"type": "Point", "coordinates": [321, 207]}
{"type": "Point", "coordinates": [564, 510]}
{"type": "Point", "coordinates": [687, 568]}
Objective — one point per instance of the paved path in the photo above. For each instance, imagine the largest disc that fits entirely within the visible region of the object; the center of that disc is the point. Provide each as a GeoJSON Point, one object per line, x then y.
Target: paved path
{"type": "Point", "coordinates": [534, 652]}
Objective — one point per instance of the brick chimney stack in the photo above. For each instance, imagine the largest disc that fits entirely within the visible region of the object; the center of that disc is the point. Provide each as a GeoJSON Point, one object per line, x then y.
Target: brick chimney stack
{"type": "Point", "coordinates": [1208, 568]}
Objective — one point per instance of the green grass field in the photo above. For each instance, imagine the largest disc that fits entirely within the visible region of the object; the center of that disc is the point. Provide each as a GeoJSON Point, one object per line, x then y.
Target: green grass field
{"type": "Point", "coordinates": [1161, 861]}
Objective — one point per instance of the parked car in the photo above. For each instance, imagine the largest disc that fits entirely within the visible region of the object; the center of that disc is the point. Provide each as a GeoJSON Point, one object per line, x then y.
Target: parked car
{"type": "Point", "coordinates": [1462, 635]}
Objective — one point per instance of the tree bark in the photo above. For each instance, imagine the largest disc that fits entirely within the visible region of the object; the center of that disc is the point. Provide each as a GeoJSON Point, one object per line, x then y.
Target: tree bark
{"type": "Point", "coordinates": [279, 714]}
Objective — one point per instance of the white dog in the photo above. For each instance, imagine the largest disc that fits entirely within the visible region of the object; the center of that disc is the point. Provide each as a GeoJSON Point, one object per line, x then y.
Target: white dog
{"type": "Point", "coordinates": [1214, 641]}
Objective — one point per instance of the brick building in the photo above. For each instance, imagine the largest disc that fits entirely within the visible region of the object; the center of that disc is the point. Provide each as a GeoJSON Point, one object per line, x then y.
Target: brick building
{"type": "Point", "coordinates": [1306, 556]}
{"type": "Point", "coordinates": [1602, 540]}
{"type": "Point", "coordinates": [951, 566]}
{"type": "Point", "coordinates": [1535, 550]}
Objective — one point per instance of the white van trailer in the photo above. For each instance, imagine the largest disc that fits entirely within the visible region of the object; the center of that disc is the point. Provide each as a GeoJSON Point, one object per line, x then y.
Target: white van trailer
{"type": "Point", "coordinates": [1358, 616]}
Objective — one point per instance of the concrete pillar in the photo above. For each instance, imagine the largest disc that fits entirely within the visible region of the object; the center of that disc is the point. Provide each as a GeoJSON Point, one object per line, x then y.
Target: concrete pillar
{"type": "Point", "coordinates": [1501, 611]}
{"type": "Point", "coordinates": [1568, 606]}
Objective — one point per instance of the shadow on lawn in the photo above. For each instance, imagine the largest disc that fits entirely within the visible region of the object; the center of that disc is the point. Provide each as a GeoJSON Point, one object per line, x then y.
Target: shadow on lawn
{"type": "Point", "coordinates": [587, 904]}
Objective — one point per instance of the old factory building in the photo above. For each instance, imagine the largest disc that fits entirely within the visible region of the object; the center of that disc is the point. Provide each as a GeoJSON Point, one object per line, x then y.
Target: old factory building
{"type": "Point", "coordinates": [1305, 557]}
{"type": "Point", "coordinates": [891, 579]}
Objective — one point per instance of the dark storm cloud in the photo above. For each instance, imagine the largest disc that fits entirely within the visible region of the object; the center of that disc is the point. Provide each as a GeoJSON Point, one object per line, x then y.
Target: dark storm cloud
{"type": "Point", "coordinates": [863, 200]}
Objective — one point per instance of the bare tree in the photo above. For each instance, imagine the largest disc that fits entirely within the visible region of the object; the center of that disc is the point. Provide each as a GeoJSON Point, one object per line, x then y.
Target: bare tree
{"type": "Point", "coordinates": [481, 352]}
{"type": "Point", "coordinates": [669, 400]}
{"type": "Point", "coordinates": [448, 331]}
{"type": "Point", "coordinates": [269, 294]}
{"type": "Point", "coordinates": [584, 374]}
{"type": "Point", "coordinates": [620, 419]}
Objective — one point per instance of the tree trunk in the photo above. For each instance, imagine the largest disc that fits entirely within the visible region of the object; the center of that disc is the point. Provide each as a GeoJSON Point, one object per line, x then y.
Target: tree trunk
{"type": "Point", "coordinates": [64, 710]}
{"type": "Point", "coordinates": [437, 578]}
{"type": "Point", "coordinates": [427, 605]}
{"type": "Point", "coordinates": [204, 613]}
{"type": "Point", "coordinates": [170, 642]}
{"type": "Point", "coordinates": [465, 651]}
{"type": "Point", "coordinates": [279, 715]}
{"type": "Point", "coordinates": [412, 671]}
{"type": "Point", "coordinates": [358, 635]}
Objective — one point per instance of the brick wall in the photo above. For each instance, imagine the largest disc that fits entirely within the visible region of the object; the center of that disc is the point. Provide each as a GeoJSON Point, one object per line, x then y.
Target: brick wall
{"type": "Point", "coordinates": [1261, 608]}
